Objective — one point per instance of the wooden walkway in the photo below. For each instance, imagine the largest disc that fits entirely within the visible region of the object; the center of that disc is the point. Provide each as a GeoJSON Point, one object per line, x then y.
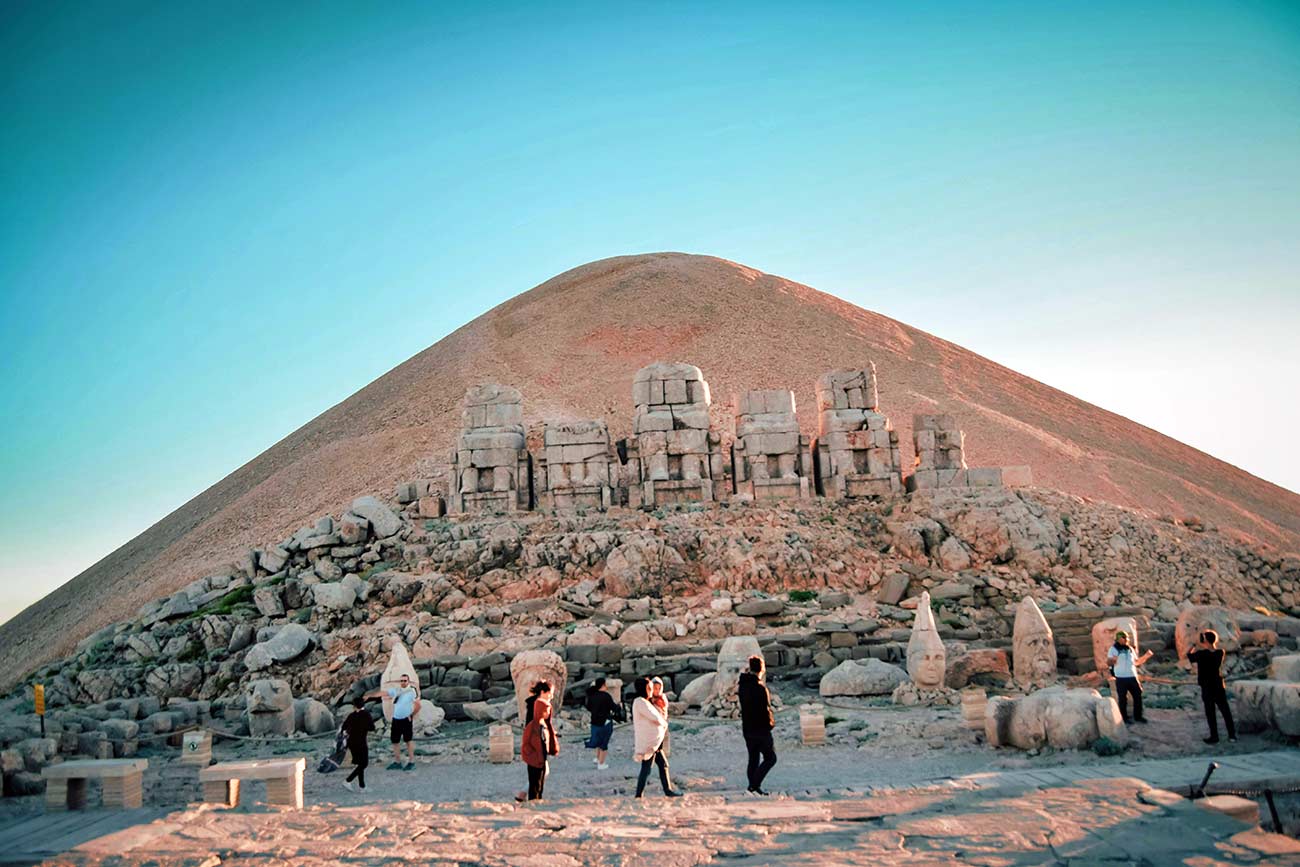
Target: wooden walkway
{"type": "Point", "coordinates": [32, 839]}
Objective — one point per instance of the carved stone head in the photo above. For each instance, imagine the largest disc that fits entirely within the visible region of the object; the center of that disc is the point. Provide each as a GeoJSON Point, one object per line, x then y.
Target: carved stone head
{"type": "Point", "coordinates": [531, 666]}
{"type": "Point", "coordinates": [926, 657]}
{"type": "Point", "coordinates": [1033, 648]}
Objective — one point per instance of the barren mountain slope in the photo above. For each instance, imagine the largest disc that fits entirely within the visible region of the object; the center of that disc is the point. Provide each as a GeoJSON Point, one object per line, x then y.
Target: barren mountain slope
{"type": "Point", "coordinates": [571, 346]}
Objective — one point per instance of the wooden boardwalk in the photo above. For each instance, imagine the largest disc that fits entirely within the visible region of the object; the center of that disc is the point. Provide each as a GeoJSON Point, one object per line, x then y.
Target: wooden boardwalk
{"type": "Point", "coordinates": [31, 839]}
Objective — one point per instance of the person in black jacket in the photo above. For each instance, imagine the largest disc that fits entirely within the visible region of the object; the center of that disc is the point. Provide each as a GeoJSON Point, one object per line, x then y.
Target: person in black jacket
{"type": "Point", "coordinates": [1208, 657]}
{"type": "Point", "coordinates": [604, 710]}
{"type": "Point", "coordinates": [756, 723]}
{"type": "Point", "coordinates": [356, 727]}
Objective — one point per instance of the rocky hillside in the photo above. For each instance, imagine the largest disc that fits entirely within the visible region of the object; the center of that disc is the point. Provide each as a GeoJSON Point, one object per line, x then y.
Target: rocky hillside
{"type": "Point", "coordinates": [571, 346]}
{"type": "Point", "coordinates": [317, 609]}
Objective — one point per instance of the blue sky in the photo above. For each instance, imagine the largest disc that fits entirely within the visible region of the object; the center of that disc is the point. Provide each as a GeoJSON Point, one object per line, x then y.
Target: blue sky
{"type": "Point", "coordinates": [220, 219]}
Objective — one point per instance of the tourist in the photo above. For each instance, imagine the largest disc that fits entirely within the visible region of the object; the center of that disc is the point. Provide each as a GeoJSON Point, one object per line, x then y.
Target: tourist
{"type": "Point", "coordinates": [756, 723]}
{"type": "Point", "coordinates": [406, 704]}
{"type": "Point", "coordinates": [1208, 657]}
{"type": "Point", "coordinates": [1123, 667]}
{"type": "Point", "coordinates": [649, 728]}
{"type": "Point", "coordinates": [357, 725]}
{"type": "Point", "coordinates": [539, 741]}
{"type": "Point", "coordinates": [659, 700]}
{"type": "Point", "coordinates": [533, 693]}
{"type": "Point", "coordinates": [604, 710]}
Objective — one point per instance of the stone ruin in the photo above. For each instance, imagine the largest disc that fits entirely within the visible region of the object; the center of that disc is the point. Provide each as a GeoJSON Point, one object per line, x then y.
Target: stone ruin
{"type": "Point", "coordinates": [927, 661]}
{"type": "Point", "coordinates": [770, 459]}
{"type": "Point", "coordinates": [674, 456]}
{"type": "Point", "coordinates": [1057, 717]}
{"type": "Point", "coordinates": [1033, 652]}
{"type": "Point", "coordinates": [856, 448]}
{"type": "Point", "coordinates": [491, 469]}
{"type": "Point", "coordinates": [530, 666]}
{"type": "Point", "coordinates": [576, 468]}
{"type": "Point", "coordinates": [940, 448]}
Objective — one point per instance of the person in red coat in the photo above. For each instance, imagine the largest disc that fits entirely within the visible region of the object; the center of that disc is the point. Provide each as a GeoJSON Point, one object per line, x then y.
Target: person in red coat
{"type": "Point", "coordinates": [539, 741]}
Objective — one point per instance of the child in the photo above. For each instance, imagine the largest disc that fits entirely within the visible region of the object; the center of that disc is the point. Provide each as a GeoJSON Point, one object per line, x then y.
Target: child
{"type": "Point", "coordinates": [1208, 657]}
{"type": "Point", "coordinates": [1124, 669]}
{"type": "Point", "coordinates": [357, 725]}
{"type": "Point", "coordinates": [539, 741]}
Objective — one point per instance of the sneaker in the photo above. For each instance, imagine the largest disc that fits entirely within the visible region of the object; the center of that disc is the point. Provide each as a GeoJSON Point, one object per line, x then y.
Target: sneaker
{"type": "Point", "coordinates": [1141, 720]}
{"type": "Point", "coordinates": [347, 784]}
{"type": "Point", "coordinates": [394, 766]}
{"type": "Point", "coordinates": [604, 766]}
{"type": "Point", "coordinates": [1210, 740]}
{"type": "Point", "coordinates": [759, 792]}
{"type": "Point", "coordinates": [672, 793]}
{"type": "Point", "coordinates": [1127, 721]}
{"type": "Point", "coordinates": [409, 767]}
{"type": "Point", "coordinates": [1232, 740]}
{"type": "Point", "coordinates": [595, 761]}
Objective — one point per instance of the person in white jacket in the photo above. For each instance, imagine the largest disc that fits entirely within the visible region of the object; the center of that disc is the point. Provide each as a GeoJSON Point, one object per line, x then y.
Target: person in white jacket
{"type": "Point", "coordinates": [649, 728]}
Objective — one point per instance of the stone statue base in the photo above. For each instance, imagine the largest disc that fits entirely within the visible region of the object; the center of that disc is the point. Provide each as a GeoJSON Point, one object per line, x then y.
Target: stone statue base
{"type": "Point", "coordinates": [910, 694]}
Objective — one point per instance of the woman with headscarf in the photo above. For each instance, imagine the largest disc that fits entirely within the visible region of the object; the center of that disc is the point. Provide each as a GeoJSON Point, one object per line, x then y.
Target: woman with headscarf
{"type": "Point", "coordinates": [649, 728]}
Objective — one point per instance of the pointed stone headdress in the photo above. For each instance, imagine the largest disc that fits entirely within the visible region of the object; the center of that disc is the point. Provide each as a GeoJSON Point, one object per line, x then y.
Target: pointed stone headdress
{"type": "Point", "coordinates": [1033, 650]}
{"type": "Point", "coordinates": [925, 642]}
{"type": "Point", "coordinates": [399, 663]}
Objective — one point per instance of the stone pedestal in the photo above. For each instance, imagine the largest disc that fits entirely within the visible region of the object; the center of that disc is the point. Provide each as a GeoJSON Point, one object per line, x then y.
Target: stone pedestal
{"type": "Point", "coordinates": [491, 469]}
{"type": "Point", "coordinates": [812, 724]}
{"type": "Point", "coordinates": [770, 459]}
{"type": "Point", "coordinates": [856, 452]}
{"type": "Point", "coordinates": [501, 744]}
{"type": "Point", "coordinates": [575, 469]}
{"type": "Point", "coordinates": [673, 456]}
{"type": "Point", "coordinates": [974, 702]}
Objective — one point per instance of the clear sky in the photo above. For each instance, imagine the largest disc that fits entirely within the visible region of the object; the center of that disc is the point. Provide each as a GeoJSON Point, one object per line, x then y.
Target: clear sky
{"type": "Point", "coordinates": [219, 219]}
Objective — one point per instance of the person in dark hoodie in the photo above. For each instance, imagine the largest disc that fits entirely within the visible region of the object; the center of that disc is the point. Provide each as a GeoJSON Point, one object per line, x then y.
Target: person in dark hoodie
{"type": "Point", "coordinates": [356, 727]}
{"type": "Point", "coordinates": [604, 710]}
{"type": "Point", "coordinates": [756, 723]}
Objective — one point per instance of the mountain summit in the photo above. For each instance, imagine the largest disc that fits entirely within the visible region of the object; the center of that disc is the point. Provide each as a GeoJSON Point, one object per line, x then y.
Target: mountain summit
{"type": "Point", "coordinates": [571, 347]}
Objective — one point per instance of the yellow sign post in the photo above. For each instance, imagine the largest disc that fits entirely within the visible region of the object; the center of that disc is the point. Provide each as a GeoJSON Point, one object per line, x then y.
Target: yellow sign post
{"type": "Point", "coordinates": [38, 699]}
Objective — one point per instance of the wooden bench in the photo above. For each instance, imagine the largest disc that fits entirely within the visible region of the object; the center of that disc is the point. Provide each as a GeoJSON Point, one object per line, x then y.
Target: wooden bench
{"type": "Point", "coordinates": [283, 781]}
{"type": "Point", "coordinates": [123, 781]}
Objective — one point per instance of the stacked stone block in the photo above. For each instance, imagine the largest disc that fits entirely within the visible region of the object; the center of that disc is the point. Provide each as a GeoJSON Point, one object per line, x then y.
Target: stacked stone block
{"type": "Point", "coordinates": [491, 470]}
{"type": "Point", "coordinates": [770, 459]}
{"type": "Point", "coordinates": [856, 449]}
{"type": "Point", "coordinates": [673, 456]}
{"type": "Point", "coordinates": [941, 457]}
{"type": "Point", "coordinates": [574, 470]}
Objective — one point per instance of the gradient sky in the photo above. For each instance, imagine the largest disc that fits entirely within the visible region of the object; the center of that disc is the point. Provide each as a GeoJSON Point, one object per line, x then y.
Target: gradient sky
{"type": "Point", "coordinates": [219, 219]}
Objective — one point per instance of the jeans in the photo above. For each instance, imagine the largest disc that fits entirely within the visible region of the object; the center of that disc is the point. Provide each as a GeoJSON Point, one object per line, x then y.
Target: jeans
{"type": "Point", "coordinates": [657, 759]}
{"type": "Point", "coordinates": [1217, 697]}
{"type": "Point", "coordinates": [1124, 687]}
{"type": "Point", "coordinates": [536, 782]}
{"type": "Point", "coordinates": [762, 756]}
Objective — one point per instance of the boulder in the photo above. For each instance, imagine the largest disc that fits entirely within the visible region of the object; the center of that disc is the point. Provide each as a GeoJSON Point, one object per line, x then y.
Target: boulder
{"type": "Point", "coordinates": [312, 716]}
{"type": "Point", "coordinates": [240, 637]}
{"type": "Point", "coordinates": [289, 642]}
{"type": "Point", "coordinates": [759, 607]}
{"type": "Point", "coordinates": [862, 677]}
{"type": "Point", "coordinates": [989, 662]}
{"type": "Point", "coordinates": [333, 597]}
{"type": "Point", "coordinates": [382, 520]}
{"type": "Point", "coordinates": [697, 692]}
{"type": "Point", "coordinates": [273, 559]}
{"type": "Point", "coordinates": [269, 600]}
{"type": "Point", "coordinates": [23, 783]}
{"type": "Point", "coordinates": [1259, 705]}
{"type": "Point", "coordinates": [328, 570]}
{"type": "Point", "coordinates": [358, 586]}
{"type": "Point", "coordinates": [893, 588]}
{"type": "Point", "coordinates": [1286, 668]}
{"type": "Point", "coordinates": [427, 718]}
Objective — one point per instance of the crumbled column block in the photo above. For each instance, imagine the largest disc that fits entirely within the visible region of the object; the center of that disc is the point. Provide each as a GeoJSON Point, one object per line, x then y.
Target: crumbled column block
{"type": "Point", "coordinates": [491, 466]}
{"type": "Point", "coordinates": [856, 451]}
{"type": "Point", "coordinates": [676, 452]}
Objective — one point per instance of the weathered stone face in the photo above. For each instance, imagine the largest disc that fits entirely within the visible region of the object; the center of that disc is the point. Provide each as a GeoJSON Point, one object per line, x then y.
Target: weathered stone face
{"type": "Point", "coordinates": [1066, 719]}
{"type": "Point", "coordinates": [529, 667]}
{"type": "Point", "coordinates": [575, 469]}
{"type": "Point", "coordinates": [926, 657]}
{"type": "Point", "coordinates": [1195, 620]}
{"type": "Point", "coordinates": [1033, 648]}
{"type": "Point", "coordinates": [1103, 638]}
{"type": "Point", "coordinates": [733, 658]}
{"type": "Point", "coordinates": [269, 705]}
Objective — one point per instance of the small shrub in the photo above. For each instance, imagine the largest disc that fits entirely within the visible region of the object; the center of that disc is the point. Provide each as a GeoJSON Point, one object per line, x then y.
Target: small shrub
{"type": "Point", "coordinates": [99, 653]}
{"type": "Point", "coordinates": [193, 651]}
{"type": "Point", "coordinates": [832, 719]}
{"type": "Point", "coordinates": [802, 595]}
{"type": "Point", "coordinates": [303, 615]}
{"type": "Point", "coordinates": [1104, 746]}
{"type": "Point", "coordinates": [889, 510]}
{"type": "Point", "coordinates": [857, 725]}
{"type": "Point", "coordinates": [374, 569]}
